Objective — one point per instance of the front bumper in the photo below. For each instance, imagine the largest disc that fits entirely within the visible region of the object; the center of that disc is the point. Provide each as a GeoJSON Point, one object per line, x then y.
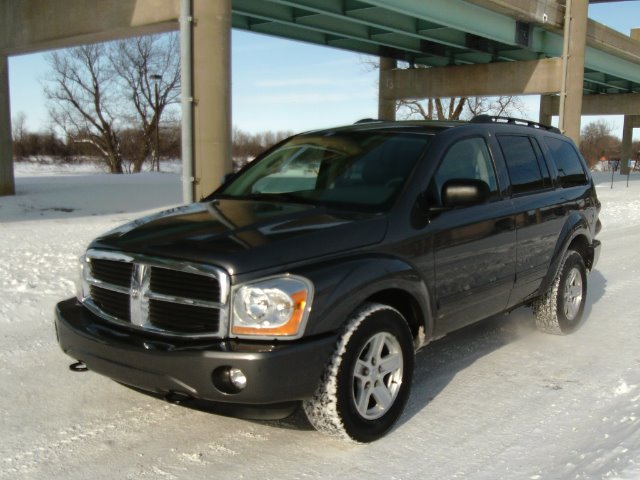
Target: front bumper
{"type": "Point", "coordinates": [276, 372]}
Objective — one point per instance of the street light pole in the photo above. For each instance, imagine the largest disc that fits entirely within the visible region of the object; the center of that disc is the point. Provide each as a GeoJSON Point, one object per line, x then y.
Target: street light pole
{"type": "Point", "coordinates": [156, 78]}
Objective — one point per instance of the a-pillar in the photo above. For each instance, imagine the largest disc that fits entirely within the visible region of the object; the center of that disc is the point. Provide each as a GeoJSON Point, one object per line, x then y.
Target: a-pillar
{"type": "Point", "coordinates": [386, 104]}
{"type": "Point", "coordinates": [575, 34]}
{"type": "Point", "coordinates": [7, 185]}
{"type": "Point", "coordinates": [212, 94]}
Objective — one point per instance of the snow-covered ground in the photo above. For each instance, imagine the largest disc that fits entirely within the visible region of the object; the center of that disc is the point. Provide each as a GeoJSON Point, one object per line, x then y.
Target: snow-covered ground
{"type": "Point", "coordinates": [496, 400]}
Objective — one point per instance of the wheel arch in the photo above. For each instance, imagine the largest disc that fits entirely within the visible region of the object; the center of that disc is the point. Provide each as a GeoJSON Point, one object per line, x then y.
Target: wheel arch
{"type": "Point", "coordinates": [378, 279]}
{"type": "Point", "coordinates": [575, 235]}
{"type": "Point", "coordinates": [405, 303]}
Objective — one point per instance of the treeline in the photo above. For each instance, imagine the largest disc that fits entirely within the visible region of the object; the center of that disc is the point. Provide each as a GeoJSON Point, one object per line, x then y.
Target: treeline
{"type": "Point", "coordinates": [598, 143]}
{"type": "Point", "coordinates": [33, 145]}
{"type": "Point", "coordinates": [37, 145]}
{"type": "Point", "coordinates": [246, 146]}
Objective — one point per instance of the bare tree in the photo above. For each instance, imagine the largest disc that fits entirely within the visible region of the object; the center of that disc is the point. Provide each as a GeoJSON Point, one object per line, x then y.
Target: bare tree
{"type": "Point", "coordinates": [598, 142]}
{"type": "Point", "coordinates": [18, 133]}
{"type": "Point", "coordinates": [98, 92]}
{"type": "Point", "coordinates": [148, 71]}
{"type": "Point", "coordinates": [82, 94]}
{"type": "Point", "coordinates": [457, 108]}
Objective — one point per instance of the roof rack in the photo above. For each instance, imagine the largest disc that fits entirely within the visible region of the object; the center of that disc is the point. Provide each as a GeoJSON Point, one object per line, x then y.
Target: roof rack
{"type": "Point", "coordinates": [367, 120]}
{"type": "Point", "coordinates": [512, 121]}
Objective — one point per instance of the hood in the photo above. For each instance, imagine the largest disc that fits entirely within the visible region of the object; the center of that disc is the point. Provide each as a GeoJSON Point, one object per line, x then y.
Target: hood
{"type": "Point", "coordinates": [245, 235]}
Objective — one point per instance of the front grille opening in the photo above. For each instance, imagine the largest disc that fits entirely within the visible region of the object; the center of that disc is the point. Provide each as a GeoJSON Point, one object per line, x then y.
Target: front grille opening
{"type": "Point", "coordinates": [113, 272]}
{"type": "Point", "coordinates": [113, 303]}
{"type": "Point", "coordinates": [180, 318]}
{"type": "Point", "coordinates": [185, 285]}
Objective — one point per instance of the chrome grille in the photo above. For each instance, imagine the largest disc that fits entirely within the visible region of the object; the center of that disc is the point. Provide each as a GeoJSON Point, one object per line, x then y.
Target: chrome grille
{"type": "Point", "coordinates": [186, 318]}
{"type": "Point", "coordinates": [182, 284]}
{"type": "Point", "coordinates": [173, 298]}
{"type": "Point", "coordinates": [115, 304]}
{"type": "Point", "coordinates": [116, 273]}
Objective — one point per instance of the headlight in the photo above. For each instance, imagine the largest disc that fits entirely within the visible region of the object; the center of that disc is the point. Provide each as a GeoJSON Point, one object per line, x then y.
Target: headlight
{"type": "Point", "coordinates": [274, 307]}
{"type": "Point", "coordinates": [82, 286]}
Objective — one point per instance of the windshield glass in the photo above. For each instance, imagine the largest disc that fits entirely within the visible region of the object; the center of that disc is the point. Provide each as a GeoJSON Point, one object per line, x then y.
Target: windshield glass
{"type": "Point", "coordinates": [352, 169]}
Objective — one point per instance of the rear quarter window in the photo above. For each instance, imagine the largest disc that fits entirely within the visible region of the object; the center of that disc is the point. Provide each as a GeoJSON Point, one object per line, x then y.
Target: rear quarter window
{"type": "Point", "coordinates": [567, 162]}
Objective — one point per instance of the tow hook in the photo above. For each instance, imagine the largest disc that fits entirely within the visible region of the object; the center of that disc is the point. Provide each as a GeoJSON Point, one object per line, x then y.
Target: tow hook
{"type": "Point", "coordinates": [178, 398]}
{"type": "Point", "coordinates": [78, 367]}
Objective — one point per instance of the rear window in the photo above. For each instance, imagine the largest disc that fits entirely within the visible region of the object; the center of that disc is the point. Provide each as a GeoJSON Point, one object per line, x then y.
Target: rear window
{"type": "Point", "coordinates": [567, 161]}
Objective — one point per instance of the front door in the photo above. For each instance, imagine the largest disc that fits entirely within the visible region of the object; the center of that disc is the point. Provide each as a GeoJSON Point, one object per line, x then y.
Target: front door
{"type": "Point", "coordinates": [473, 247]}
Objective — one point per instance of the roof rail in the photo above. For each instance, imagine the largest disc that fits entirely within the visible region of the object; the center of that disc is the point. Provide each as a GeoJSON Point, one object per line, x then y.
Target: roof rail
{"type": "Point", "coordinates": [512, 121]}
{"type": "Point", "coordinates": [367, 120]}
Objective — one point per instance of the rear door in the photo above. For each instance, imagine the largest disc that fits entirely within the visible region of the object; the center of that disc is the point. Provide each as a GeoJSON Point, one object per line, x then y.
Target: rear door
{"type": "Point", "coordinates": [539, 214]}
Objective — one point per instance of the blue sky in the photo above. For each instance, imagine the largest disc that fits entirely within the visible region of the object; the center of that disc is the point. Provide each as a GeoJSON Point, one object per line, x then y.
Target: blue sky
{"type": "Point", "coordinates": [285, 85]}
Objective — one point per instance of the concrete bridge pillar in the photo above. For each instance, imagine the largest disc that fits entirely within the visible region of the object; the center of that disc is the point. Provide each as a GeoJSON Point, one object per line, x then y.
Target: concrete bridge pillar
{"type": "Point", "coordinates": [630, 121]}
{"type": "Point", "coordinates": [386, 101]}
{"type": "Point", "coordinates": [7, 185]}
{"type": "Point", "coordinates": [212, 93]}
{"type": "Point", "coordinates": [546, 109]}
{"type": "Point", "coordinates": [575, 36]}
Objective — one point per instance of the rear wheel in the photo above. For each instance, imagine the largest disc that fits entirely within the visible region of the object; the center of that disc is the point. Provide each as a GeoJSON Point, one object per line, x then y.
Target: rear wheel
{"type": "Point", "coordinates": [560, 309]}
{"type": "Point", "coordinates": [366, 385]}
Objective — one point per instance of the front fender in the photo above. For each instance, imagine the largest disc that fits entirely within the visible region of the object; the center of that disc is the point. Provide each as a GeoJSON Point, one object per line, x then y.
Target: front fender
{"type": "Point", "coordinates": [340, 287]}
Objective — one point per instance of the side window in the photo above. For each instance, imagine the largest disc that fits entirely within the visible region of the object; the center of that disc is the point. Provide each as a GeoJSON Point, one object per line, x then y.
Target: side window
{"type": "Point", "coordinates": [466, 159]}
{"type": "Point", "coordinates": [522, 163]}
{"type": "Point", "coordinates": [570, 171]}
{"type": "Point", "coordinates": [546, 176]}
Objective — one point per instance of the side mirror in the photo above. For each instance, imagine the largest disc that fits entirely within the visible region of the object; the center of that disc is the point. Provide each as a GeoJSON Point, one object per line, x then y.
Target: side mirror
{"type": "Point", "coordinates": [464, 193]}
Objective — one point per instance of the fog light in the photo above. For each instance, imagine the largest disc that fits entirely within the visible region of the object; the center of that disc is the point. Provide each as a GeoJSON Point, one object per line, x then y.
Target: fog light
{"type": "Point", "coordinates": [237, 378]}
{"type": "Point", "coordinates": [229, 380]}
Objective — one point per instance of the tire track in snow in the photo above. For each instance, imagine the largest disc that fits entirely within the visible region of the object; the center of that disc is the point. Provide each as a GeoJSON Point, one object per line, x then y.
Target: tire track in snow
{"type": "Point", "coordinates": [49, 448]}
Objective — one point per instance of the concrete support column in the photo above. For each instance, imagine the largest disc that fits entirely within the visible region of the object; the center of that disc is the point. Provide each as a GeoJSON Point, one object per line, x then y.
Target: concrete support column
{"type": "Point", "coordinates": [212, 93]}
{"type": "Point", "coordinates": [386, 103]}
{"type": "Point", "coordinates": [546, 110]}
{"type": "Point", "coordinates": [7, 184]}
{"type": "Point", "coordinates": [627, 140]}
{"type": "Point", "coordinates": [575, 34]}
{"type": "Point", "coordinates": [630, 121]}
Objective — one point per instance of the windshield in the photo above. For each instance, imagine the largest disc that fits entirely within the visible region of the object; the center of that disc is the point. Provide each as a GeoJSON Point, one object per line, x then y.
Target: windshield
{"type": "Point", "coordinates": [351, 169]}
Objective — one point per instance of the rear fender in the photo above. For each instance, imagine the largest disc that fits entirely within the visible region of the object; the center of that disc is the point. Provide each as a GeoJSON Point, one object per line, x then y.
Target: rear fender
{"type": "Point", "coordinates": [577, 230]}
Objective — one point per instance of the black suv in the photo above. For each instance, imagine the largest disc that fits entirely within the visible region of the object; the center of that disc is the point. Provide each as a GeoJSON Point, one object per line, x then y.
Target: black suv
{"type": "Point", "coordinates": [315, 273]}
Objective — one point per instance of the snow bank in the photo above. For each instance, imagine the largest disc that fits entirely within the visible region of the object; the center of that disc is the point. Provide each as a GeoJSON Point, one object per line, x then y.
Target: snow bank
{"type": "Point", "coordinates": [497, 400]}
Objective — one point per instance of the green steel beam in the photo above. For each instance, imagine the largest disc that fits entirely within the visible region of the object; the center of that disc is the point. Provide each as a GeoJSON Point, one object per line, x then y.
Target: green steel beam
{"type": "Point", "coordinates": [296, 33]}
{"type": "Point", "coordinates": [317, 23]}
{"type": "Point", "coordinates": [595, 59]}
{"type": "Point", "coordinates": [369, 26]}
{"type": "Point", "coordinates": [458, 15]}
{"type": "Point", "coordinates": [385, 19]}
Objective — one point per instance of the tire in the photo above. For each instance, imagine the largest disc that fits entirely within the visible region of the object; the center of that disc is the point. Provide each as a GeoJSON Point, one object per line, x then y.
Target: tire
{"type": "Point", "coordinates": [358, 397]}
{"type": "Point", "coordinates": [559, 311]}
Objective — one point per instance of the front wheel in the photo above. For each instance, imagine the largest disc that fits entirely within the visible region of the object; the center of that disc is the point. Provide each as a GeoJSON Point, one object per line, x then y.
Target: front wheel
{"type": "Point", "coordinates": [560, 309]}
{"type": "Point", "coordinates": [366, 384]}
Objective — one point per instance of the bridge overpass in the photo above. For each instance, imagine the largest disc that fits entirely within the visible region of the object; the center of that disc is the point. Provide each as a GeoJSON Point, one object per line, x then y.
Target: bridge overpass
{"type": "Point", "coordinates": [473, 47]}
